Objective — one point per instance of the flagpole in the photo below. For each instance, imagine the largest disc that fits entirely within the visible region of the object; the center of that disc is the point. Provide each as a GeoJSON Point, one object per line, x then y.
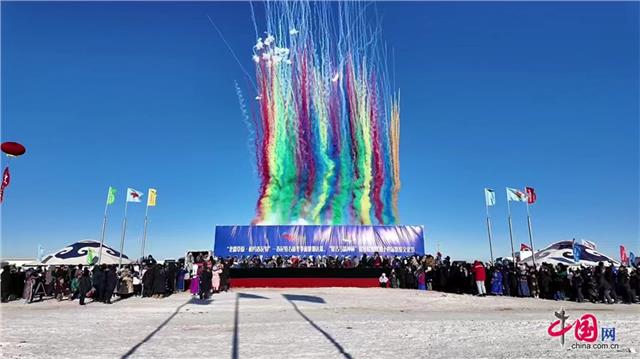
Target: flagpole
{"type": "Point", "coordinates": [513, 253]}
{"type": "Point", "coordinates": [124, 230]}
{"type": "Point", "coordinates": [489, 231]}
{"type": "Point", "coordinates": [144, 233]}
{"type": "Point", "coordinates": [104, 228]}
{"type": "Point", "coordinates": [533, 252]}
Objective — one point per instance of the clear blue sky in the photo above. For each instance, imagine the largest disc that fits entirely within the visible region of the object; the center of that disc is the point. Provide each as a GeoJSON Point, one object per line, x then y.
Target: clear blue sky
{"type": "Point", "coordinates": [496, 94]}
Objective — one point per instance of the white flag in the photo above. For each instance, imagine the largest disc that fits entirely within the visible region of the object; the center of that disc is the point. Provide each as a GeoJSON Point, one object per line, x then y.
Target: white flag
{"type": "Point", "coordinates": [516, 195]}
{"type": "Point", "coordinates": [489, 197]}
{"type": "Point", "coordinates": [133, 195]}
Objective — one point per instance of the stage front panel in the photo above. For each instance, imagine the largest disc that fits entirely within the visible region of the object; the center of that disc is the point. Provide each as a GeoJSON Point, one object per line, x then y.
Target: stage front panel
{"type": "Point", "coordinates": [317, 240]}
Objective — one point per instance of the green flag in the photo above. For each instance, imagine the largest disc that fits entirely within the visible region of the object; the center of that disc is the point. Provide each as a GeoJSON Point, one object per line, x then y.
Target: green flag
{"type": "Point", "coordinates": [111, 197]}
{"type": "Point", "coordinates": [90, 257]}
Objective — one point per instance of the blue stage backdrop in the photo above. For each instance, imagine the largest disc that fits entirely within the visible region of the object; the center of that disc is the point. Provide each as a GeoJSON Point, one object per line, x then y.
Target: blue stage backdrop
{"type": "Point", "coordinates": [317, 240]}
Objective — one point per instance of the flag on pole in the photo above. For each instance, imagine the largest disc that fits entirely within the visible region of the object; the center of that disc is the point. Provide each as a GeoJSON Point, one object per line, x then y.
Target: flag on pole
{"type": "Point", "coordinates": [6, 178]}
{"type": "Point", "coordinates": [516, 195]}
{"type": "Point", "coordinates": [151, 200]}
{"type": "Point", "coordinates": [624, 259]}
{"type": "Point", "coordinates": [588, 244]}
{"type": "Point", "coordinates": [133, 195]}
{"type": "Point", "coordinates": [577, 252]}
{"type": "Point", "coordinates": [632, 259]}
{"type": "Point", "coordinates": [524, 247]}
{"type": "Point", "coordinates": [111, 195]}
{"type": "Point", "coordinates": [489, 197]}
{"type": "Point", "coordinates": [531, 195]}
{"type": "Point", "coordinates": [91, 256]}
{"type": "Point", "coordinates": [40, 252]}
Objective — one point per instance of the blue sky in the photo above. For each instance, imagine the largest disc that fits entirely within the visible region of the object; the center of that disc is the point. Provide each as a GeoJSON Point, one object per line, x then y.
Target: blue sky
{"type": "Point", "coordinates": [493, 94]}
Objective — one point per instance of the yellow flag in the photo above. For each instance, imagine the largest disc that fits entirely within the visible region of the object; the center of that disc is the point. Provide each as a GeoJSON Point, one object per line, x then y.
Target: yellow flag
{"type": "Point", "coordinates": [151, 199]}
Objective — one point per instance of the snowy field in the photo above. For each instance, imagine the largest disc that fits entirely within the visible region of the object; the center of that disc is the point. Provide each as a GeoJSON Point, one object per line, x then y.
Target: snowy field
{"type": "Point", "coordinates": [308, 323]}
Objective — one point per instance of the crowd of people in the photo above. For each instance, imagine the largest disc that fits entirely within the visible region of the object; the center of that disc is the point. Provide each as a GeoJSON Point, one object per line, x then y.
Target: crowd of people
{"type": "Point", "coordinates": [203, 275]}
{"type": "Point", "coordinates": [606, 284]}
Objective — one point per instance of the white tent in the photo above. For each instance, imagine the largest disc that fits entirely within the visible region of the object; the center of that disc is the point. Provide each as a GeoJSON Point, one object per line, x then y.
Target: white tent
{"type": "Point", "coordinates": [562, 252]}
{"type": "Point", "coordinates": [84, 252]}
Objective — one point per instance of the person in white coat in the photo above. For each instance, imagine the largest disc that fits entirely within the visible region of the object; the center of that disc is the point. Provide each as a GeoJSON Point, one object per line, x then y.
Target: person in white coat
{"type": "Point", "coordinates": [383, 280]}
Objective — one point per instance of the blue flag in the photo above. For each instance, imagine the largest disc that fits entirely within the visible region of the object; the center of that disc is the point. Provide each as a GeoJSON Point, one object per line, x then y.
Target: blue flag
{"type": "Point", "coordinates": [577, 252]}
{"type": "Point", "coordinates": [632, 259]}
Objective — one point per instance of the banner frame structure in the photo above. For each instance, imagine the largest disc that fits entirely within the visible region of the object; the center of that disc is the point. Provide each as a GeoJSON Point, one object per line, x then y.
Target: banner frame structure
{"type": "Point", "coordinates": [318, 240]}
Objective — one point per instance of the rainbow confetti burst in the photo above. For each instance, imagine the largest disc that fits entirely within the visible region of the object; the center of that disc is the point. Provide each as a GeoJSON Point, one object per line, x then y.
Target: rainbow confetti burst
{"type": "Point", "coordinates": [327, 125]}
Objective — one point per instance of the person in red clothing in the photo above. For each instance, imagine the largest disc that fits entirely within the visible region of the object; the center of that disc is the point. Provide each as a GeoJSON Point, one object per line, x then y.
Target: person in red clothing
{"type": "Point", "coordinates": [480, 274]}
{"type": "Point", "coordinates": [377, 261]}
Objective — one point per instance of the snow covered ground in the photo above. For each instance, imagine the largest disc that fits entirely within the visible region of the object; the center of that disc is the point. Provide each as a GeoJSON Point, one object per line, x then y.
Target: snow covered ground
{"type": "Point", "coordinates": [308, 323]}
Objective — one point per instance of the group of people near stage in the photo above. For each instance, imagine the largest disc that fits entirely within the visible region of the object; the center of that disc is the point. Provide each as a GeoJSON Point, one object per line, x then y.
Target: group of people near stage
{"type": "Point", "coordinates": [606, 284]}
{"type": "Point", "coordinates": [101, 283]}
{"type": "Point", "coordinates": [203, 275]}
{"type": "Point", "coordinates": [599, 284]}
{"type": "Point", "coordinates": [207, 275]}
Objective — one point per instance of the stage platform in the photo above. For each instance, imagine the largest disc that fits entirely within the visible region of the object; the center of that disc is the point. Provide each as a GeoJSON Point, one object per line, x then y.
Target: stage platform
{"type": "Point", "coordinates": [304, 277]}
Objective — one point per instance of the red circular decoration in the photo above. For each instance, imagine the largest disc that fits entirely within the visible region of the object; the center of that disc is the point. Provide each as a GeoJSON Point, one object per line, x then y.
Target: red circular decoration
{"type": "Point", "coordinates": [13, 148]}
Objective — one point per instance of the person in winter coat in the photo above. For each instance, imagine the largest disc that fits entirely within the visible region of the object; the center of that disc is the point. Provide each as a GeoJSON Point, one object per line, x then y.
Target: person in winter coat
{"type": "Point", "coordinates": [606, 286]}
{"type": "Point", "coordinates": [195, 280]}
{"type": "Point", "coordinates": [578, 282]}
{"type": "Point", "coordinates": [74, 287]}
{"type": "Point", "coordinates": [215, 278]}
{"type": "Point", "coordinates": [171, 277]}
{"type": "Point", "coordinates": [421, 280]}
{"type": "Point", "coordinates": [180, 279]}
{"type": "Point", "coordinates": [111, 281]}
{"type": "Point", "coordinates": [383, 280]}
{"type": "Point", "coordinates": [84, 285]}
{"type": "Point", "coordinates": [480, 276]}
{"type": "Point", "coordinates": [628, 294]}
{"type": "Point", "coordinates": [159, 281]}
{"type": "Point", "coordinates": [590, 286]}
{"type": "Point", "coordinates": [147, 282]}
{"type": "Point", "coordinates": [533, 282]}
{"type": "Point", "coordinates": [224, 276]}
{"type": "Point", "coordinates": [523, 282]}
{"type": "Point", "coordinates": [49, 282]}
{"type": "Point", "coordinates": [5, 282]}
{"type": "Point", "coordinates": [545, 283]}
{"type": "Point", "coordinates": [205, 283]}
{"type": "Point", "coordinates": [558, 277]}
{"type": "Point", "coordinates": [98, 282]}
{"type": "Point", "coordinates": [393, 279]}
{"type": "Point", "coordinates": [125, 289]}
{"type": "Point", "coordinates": [429, 276]}
{"type": "Point", "coordinates": [496, 281]}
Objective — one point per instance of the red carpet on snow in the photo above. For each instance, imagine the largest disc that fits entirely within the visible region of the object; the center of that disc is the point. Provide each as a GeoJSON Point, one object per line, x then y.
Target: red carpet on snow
{"type": "Point", "coordinates": [303, 282]}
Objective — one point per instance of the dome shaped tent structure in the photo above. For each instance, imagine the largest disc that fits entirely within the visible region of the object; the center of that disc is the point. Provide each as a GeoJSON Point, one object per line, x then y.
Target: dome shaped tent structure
{"type": "Point", "coordinates": [562, 252]}
{"type": "Point", "coordinates": [84, 252]}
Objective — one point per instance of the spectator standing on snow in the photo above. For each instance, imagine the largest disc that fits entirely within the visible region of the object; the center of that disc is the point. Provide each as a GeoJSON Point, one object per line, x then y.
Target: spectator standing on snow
{"type": "Point", "coordinates": [480, 276]}
{"type": "Point", "coordinates": [420, 276]}
{"type": "Point", "coordinates": [98, 282]}
{"type": "Point", "coordinates": [393, 279]}
{"type": "Point", "coordinates": [84, 285]}
{"type": "Point", "coordinates": [496, 281]}
{"type": "Point", "coordinates": [110, 283]}
{"type": "Point", "coordinates": [205, 283]}
{"type": "Point", "coordinates": [159, 281]}
{"type": "Point", "coordinates": [147, 282]}
{"type": "Point", "coordinates": [215, 277]}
